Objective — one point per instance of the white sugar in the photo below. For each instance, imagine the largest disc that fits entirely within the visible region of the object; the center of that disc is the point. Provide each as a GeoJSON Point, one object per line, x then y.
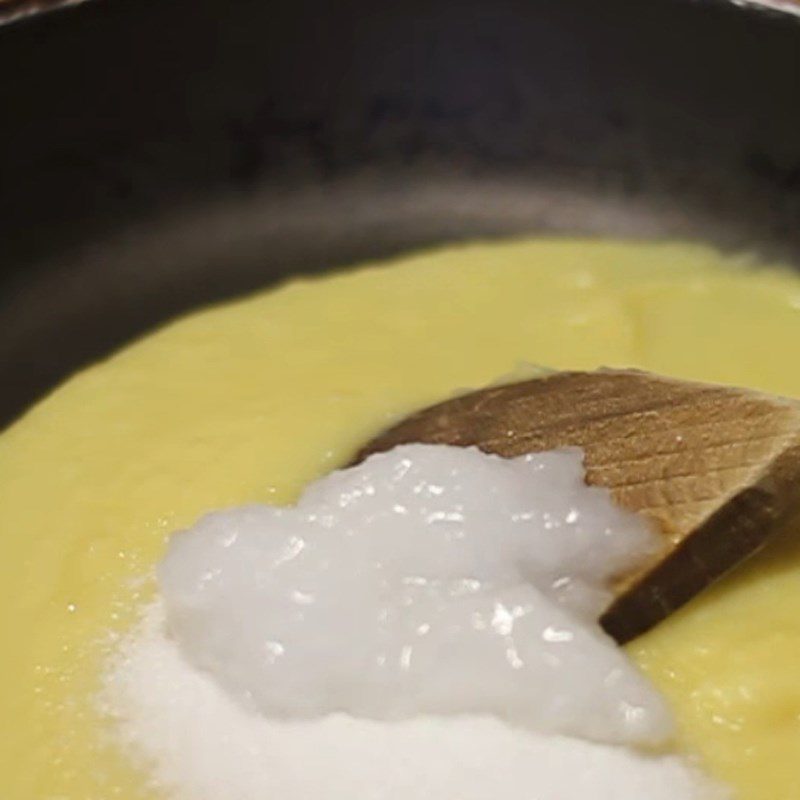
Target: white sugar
{"type": "Point", "coordinates": [421, 625]}
{"type": "Point", "coordinates": [196, 743]}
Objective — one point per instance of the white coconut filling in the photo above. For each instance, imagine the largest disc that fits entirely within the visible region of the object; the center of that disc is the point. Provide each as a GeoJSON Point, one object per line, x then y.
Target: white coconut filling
{"type": "Point", "coordinates": [422, 624]}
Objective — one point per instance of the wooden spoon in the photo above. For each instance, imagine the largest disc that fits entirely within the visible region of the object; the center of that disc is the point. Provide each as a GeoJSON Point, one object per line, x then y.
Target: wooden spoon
{"type": "Point", "coordinates": [715, 468]}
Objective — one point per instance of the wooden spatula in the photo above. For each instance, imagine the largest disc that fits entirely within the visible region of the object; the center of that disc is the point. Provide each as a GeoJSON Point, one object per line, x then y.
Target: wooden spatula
{"type": "Point", "coordinates": [716, 469]}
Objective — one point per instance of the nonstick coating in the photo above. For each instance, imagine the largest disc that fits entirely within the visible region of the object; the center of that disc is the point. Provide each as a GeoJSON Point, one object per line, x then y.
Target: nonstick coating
{"type": "Point", "coordinates": [156, 156]}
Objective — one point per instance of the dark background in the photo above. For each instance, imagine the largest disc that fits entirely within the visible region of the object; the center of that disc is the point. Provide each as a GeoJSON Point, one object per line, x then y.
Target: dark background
{"type": "Point", "coordinates": [157, 155]}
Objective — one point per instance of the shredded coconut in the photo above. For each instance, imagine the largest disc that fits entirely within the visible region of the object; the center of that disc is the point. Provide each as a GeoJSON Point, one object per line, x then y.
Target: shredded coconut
{"type": "Point", "coordinates": [423, 624]}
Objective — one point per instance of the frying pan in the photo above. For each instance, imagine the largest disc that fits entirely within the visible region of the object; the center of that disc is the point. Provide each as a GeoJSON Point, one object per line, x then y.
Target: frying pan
{"type": "Point", "coordinates": [158, 155]}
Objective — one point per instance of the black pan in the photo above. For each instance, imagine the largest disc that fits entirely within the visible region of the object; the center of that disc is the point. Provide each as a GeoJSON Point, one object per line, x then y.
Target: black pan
{"type": "Point", "coordinates": [156, 155]}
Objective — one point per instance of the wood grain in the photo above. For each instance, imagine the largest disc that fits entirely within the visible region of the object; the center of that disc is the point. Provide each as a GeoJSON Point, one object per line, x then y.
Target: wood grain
{"type": "Point", "coordinates": [714, 468]}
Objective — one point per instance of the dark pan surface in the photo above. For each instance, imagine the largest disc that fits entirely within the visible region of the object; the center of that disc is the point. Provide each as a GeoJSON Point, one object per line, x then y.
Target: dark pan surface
{"type": "Point", "coordinates": [156, 156]}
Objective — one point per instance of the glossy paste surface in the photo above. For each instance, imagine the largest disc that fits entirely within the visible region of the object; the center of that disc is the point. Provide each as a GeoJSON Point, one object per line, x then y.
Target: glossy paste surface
{"type": "Point", "coordinates": [251, 400]}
